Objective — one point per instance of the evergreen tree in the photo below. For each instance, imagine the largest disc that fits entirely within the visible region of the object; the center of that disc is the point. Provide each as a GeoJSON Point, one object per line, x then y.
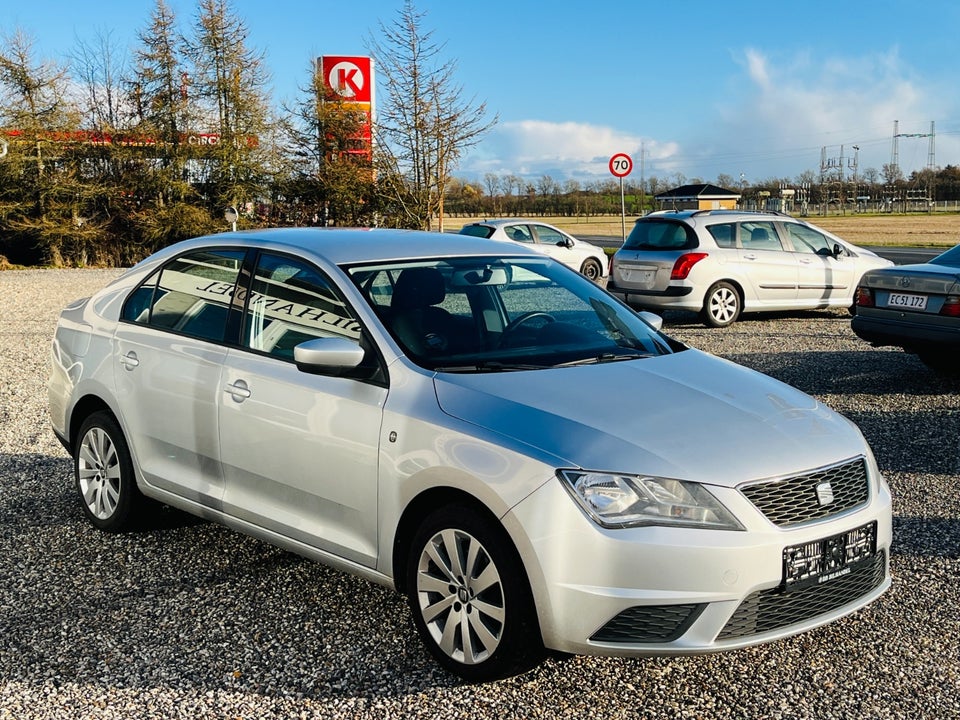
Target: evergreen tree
{"type": "Point", "coordinates": [229, 80]}
{"type": "Point", "coordinates": [44, 201]}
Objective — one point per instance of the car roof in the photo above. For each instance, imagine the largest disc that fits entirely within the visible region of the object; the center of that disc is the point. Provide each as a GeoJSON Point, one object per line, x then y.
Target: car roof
{"type": "Point", "coordinates": [358, 245]}
{"type": "Point", "coordinates": [726, 214]}
{"type": "Point", "coordinates": [498, 222]}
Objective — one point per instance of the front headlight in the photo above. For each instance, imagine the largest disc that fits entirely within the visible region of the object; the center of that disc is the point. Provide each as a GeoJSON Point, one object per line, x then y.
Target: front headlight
{"type": "Point", "coordinates": [618, 500]}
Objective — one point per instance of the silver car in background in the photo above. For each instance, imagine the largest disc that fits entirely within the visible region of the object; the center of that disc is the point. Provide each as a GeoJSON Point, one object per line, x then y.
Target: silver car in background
{"type": "Point", "coordinates": [433, 414]}
{"type": "Point", "coordinates": [721, 263]}
{"type": "Point", "coordinates": [588, 259]}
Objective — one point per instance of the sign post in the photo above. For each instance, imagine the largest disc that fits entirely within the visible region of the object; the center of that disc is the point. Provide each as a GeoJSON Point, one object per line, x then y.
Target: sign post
{"type": "Point", "coordinates": [621, 165]}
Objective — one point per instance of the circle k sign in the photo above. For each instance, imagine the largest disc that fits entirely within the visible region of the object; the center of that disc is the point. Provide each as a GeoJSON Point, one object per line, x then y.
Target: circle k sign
{"type": "Point", "coordinates": [349, 77]}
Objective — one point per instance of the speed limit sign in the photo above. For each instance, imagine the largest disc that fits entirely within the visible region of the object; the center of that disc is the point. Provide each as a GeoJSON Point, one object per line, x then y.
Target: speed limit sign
{"type": "Point", "coordinates": [621, 165]}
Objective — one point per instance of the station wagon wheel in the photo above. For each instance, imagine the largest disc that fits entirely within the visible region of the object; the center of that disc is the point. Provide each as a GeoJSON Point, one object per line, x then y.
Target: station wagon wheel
{"type": "Point", "coordinates": [468, 594]}
{"type": "Point", "coordinates": [104, 475]}
{"type": "Point", "coordinates": [721, 305]}
{"type": "Point", "coordinates": [591, 269]}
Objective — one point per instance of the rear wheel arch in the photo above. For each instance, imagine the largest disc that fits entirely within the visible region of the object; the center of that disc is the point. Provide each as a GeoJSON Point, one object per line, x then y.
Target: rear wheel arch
{"type": "Point", "coordinates": [85, 407]}
{"type": "Point", "coordinates": [722, 284]}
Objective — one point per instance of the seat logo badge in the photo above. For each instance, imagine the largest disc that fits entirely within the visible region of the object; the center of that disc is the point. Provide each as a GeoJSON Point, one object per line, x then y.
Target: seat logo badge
{"type": "Point", "coordinates": [824, 494]}
{"type": "Point", "coordinates": [904, 282]}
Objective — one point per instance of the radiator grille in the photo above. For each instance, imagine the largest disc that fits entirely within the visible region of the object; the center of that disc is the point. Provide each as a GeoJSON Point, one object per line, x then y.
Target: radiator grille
{"type": "Point", "coordinates": [815, 495]}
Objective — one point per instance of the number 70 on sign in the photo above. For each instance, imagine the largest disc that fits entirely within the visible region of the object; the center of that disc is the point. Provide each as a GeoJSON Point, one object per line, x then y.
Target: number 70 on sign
{"type": "Point", "coordinates": [621, 165]}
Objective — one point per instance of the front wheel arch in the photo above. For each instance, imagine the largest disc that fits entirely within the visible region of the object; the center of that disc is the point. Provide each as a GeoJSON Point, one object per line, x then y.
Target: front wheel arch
{"type": "Point", "coordinates": [592, 269]}
{"type": "Point", "coordinates": [418, 508]}
{"type": "Point", "coordinates": [469, 595]}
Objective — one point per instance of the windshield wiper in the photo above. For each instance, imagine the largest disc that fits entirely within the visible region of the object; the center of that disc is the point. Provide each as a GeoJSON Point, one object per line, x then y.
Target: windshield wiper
{"type": "Point", "coordinates": [489, 366]}
{"type": "Point", "coordinates": [604, 358]}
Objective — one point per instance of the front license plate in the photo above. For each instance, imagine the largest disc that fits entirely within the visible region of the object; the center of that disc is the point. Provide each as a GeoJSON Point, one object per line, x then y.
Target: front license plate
{"type": "Point", "coordinates": [907, 302]}
{"type": "Point", "coordinates": [823, 560]}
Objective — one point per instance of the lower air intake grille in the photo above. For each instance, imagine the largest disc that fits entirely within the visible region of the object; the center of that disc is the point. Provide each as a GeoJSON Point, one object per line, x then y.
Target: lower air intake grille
{"type": "Point", "coordinates": [772, 609]}
{"type": "Point", "coordinates": [649, 624]}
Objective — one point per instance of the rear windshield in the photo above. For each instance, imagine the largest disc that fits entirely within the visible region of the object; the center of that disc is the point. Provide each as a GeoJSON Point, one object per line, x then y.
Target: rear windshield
{"type": "Point", "coordinates": [951, 257]}
{"type": "Point", "coordinates": [481, 231]}
{"type": "Point", "coordinates": [656, 234]}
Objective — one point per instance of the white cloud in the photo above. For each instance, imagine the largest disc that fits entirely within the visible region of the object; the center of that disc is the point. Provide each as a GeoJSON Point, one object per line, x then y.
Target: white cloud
{"type": "Point", "coordinates": [530, 148]}
{"type": "Point", "coordinates": [789, 109]}
{"type": "Point", "coordinates": [770, 117]}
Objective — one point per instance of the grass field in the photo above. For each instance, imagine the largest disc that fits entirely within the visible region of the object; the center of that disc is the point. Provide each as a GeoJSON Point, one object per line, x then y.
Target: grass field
{"type": "Point", "coordinates": [920, 230]}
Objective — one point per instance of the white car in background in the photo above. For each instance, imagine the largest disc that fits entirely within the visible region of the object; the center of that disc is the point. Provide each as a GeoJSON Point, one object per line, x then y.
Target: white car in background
{"type": "Point", "coordinates": [587, 259]}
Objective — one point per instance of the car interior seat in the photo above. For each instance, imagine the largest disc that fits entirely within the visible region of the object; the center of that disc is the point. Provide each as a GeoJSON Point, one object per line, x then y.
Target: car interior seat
{"type": "Point", "coordinates": [419, 324]}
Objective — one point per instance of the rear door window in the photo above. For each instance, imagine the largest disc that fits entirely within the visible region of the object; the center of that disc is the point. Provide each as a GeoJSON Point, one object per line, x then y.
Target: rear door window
{"type": "Point", "coordinates": [191, 295]}
{"type": "Point", "coordinates": [759, 236]}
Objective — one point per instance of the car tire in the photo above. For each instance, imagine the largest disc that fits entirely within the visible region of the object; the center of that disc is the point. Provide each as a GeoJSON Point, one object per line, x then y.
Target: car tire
{"type": "Point", "coordinates": [721, 305]}
{"type": "Point", "coordinates": [104, 475]}
{"type": "Point", "coordinates": [591, 269]}
{"type": "Point", "coordinates": [478, 621]}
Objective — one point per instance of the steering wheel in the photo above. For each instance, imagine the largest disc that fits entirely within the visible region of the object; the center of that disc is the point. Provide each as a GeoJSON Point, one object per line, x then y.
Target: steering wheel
{"type": "Point", "coordinates": [523, 319]}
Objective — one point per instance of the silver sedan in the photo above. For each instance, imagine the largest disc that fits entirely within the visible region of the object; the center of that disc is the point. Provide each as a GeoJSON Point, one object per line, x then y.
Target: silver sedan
{"type": "Point", "coordinates": [435, 414]}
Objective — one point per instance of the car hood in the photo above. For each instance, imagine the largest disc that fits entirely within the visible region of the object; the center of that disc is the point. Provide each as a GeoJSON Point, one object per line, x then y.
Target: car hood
{"type": "Point", "coordinates": [688, 415]}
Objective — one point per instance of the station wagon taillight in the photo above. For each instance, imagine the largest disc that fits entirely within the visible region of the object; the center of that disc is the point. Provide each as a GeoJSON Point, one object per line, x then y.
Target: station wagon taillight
{"type": "Point", "coordinates": [684, 264]}
{"type": "Point", "coordinates": [865, 297]}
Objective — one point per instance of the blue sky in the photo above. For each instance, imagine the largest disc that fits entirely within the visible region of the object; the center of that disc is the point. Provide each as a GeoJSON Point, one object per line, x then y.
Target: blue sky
{"type": "Point", "coordinates": [751, 88]}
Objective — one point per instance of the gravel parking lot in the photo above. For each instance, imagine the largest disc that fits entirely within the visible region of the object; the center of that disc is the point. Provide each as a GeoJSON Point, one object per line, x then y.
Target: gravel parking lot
{"type": "Point", "coordinates": [189, 620]}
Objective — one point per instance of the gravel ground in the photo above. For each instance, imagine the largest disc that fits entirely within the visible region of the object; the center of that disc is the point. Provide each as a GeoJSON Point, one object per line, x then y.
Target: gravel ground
{"type": "Point", "coordinates": [189, 620]}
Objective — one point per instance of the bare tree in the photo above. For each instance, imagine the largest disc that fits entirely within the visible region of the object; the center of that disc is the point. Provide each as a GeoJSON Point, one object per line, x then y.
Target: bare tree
{"type": "Point", "coordinates": [99, 66]}
{"type": "Point", "coordinates": [426, 123]}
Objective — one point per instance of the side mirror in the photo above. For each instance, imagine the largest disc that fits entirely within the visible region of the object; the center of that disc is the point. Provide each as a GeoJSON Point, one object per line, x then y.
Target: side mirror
{"type": "Point", "coordinates": [566, 242]}
{"type": "Point", "coordinates": [328, 355]}
{"type": "Point", "coordinates": [837, 250]}
{"type": "Point", "coordinates": [651, 319]}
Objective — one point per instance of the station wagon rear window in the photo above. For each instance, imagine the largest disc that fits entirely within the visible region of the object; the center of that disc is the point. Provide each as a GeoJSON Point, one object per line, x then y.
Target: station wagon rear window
{"type": "Point", "coordinates": [661, 235]}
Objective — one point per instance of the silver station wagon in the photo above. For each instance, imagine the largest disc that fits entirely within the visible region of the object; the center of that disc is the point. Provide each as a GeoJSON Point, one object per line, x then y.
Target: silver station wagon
{"type": "Point", "coordinates": [722, 263]}
{"type": "Point", "coordinates": [434, 414]}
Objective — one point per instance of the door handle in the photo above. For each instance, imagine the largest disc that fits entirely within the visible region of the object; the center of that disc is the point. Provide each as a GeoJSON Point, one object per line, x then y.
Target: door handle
{"type": "Point", "coordinates": [749, 256]}
{"type": "Point", "coordinates": [238, 390]}
{"type": "Point", "coordinates": [130, 360]}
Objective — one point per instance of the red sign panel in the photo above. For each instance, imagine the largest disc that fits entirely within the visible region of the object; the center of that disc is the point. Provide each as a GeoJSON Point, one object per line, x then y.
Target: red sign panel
{"type": "Point", "coordinates": [351, 78]}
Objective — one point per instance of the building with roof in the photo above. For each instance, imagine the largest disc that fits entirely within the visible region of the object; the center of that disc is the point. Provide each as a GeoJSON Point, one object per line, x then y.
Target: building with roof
{"type": "Point", "coordinates": [702, 196]}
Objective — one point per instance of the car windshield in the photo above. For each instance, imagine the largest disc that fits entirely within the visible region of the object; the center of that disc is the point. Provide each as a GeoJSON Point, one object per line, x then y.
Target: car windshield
{"type": "Point", "coordinates": [951, 257]}
{"type": "Point", "coordinates": [484, 314]}
{"type": "Point", "coordinates": [660, 235]}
